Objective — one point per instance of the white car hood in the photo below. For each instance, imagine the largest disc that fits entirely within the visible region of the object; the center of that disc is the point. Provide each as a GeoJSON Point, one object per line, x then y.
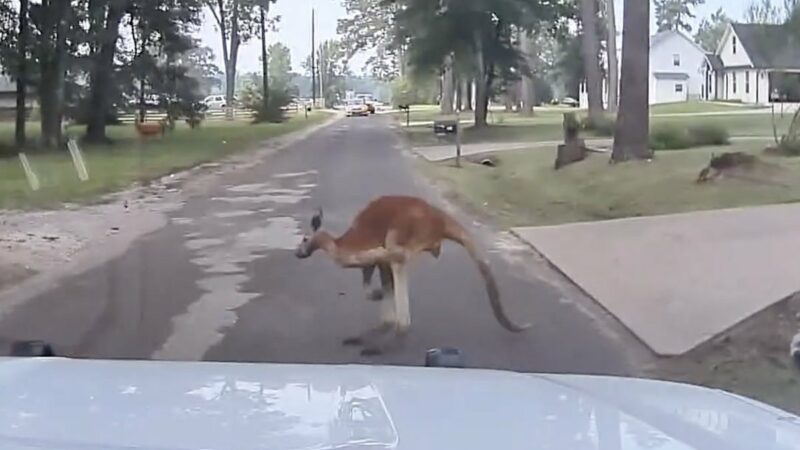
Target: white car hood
{"type": "Point", "coordinates": [55, 403]}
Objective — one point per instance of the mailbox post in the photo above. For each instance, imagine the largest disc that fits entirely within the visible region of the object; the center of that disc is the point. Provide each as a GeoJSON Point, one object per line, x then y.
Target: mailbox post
{"type": "Point", "coordinates": [449, 127]}
{"type": "Point", "coordinates": [407, 109]}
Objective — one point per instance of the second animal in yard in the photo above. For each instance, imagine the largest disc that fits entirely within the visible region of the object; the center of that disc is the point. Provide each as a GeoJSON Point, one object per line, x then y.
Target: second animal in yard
{"type": "Point", "coordinates": [387, 234]}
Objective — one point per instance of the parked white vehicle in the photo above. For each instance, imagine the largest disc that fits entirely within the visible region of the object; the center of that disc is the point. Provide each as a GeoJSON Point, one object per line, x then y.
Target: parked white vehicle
{"type": "Point", "coordinates": [217, 101]}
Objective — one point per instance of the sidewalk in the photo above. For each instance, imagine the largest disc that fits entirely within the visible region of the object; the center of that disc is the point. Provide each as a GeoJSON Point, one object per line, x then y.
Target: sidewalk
{"type": "Point", "coordinates": [677, 280]}
{"type": "Point", "coordinates": [437, 153]}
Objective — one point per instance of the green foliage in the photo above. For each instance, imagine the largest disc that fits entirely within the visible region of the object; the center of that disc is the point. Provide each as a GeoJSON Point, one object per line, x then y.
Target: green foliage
{"type": "Point", "coordinates": [708, 134]}
{"type": "Point", "coordinates": [602, 126]}
{"type": "Point", "coordinates": [280, 66]}
{"type": "Point", "coordinates": [675, 14]}
{"type": "Point", "coordinates": [414, 90]}
{"type": "Point", "coordinates": [332, 69]}
{"type": "Point", "coordinates": [252, 98]}
{"type": "Point", "coordinates": [709, 32]}
{"type": "Point", "coordinates": [673, 137]}
{"type": "Point", "coordinates": [369, 26]}
{"type": "Point", "coordinates": [669, 137]}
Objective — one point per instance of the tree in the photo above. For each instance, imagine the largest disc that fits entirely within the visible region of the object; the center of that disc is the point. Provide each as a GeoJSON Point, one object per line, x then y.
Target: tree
{"type": "Point", "coordinates": [480, 31]}
{"type": "Point", "coordinates": [675, 14]}
{"type": "Point", "coordinates": [633, 123]}
{"type": "Point", "coordinates": [200, 63]}
{"type": "Point", "coordinates": [331, 65]}
{"type": "Point", "coordinates": [236, 21]}
{"type": "Point", "coordinates": [54, 22]}
{"type": "Point", "coordinates": [591, 59]}
{"type": "Point", "coordinates": [263, 11]}
{"type": "Point", "coordinates": [764, 12]}
{"type": "Point", "coordinates": [369, 26]}
{"type": "Point", "coordinates": [280, 65]}
{"type": "Point", "coordinates": [105, 17]}
{"type": "Point", "coordinates": [611, 51]}
{"type": "Point", "coordinates": [527, 85]}
{"type": "Point", "coordinates": [22, 73]}
{"type": "Point", "coordinates": [709, 32]}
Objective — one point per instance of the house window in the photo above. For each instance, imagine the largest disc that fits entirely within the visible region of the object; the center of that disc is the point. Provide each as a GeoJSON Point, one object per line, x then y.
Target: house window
{"type": "Point", "coordinates": [734, 45]}
{"type": "Point", "coordinates": [733, 75]}
{"type": "Point", "coordinates": [746, 82]}
{"type": "Point", "coordinates": [676, 59]}
{"type": "Point", "coordinates": [678, 87]}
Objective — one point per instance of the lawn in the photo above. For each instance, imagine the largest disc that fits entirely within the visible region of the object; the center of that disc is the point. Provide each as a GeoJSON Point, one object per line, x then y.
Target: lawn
{"type": "Point", "coordinates": [128, 160]}
{"type": "Point", "coordinates": [697, 107]}
{"type": "Point", "coordinates": [525, 190]}
{"type": "Point", "coordinates": [547, 126]}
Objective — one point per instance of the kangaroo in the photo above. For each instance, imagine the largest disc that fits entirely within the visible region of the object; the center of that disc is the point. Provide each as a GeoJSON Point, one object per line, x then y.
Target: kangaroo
{"type": "Point", "coordinates": [387, 234]}
{"type": "Point", "coordinates": [726, 162]}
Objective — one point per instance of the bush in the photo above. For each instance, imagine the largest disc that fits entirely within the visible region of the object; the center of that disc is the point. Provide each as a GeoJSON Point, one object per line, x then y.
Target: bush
{"type": "Point", "coordinates": [669, 137]}
{"type": "Point", "coordinates": [604, 126]}
{"type": "Point", "coordinates": [273, 112]}
{"type": "Point", "coordinates": [786, 147]}
{"type": "Point", "coordinates": [673, 137]}
{"type": "Point", "coordinates": [708, 134]}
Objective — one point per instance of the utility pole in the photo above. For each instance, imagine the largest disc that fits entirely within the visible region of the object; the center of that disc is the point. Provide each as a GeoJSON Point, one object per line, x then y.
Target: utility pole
{"type": "Point", "coordinates": [313, 66]}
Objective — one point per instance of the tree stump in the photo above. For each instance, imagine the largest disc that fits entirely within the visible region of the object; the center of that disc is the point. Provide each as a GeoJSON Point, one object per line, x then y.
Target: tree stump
{"type": "Point", "coordinates": [573, 149]}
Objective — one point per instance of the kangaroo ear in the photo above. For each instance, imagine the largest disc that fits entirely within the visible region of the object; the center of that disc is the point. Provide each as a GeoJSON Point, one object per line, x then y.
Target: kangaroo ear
{"type": "Point", "coordinates": [316, 221]}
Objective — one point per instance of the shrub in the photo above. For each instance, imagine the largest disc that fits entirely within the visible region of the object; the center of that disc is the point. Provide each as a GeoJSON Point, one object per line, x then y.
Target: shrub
{"type": "Point", "coordinates": [673, 137]}
{"type": "Point", "coordinates": [604, 126]}
{"type": "Point", "coordinates": [708, 134]}
{"type": "Point", "coordinates": [786, 147]}
{"type": "Point", "coordinates": [669, 137]}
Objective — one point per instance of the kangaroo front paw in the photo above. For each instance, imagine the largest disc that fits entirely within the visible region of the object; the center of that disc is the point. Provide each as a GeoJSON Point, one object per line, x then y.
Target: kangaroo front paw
{"type": "Point", "coordinates": [375, 295]}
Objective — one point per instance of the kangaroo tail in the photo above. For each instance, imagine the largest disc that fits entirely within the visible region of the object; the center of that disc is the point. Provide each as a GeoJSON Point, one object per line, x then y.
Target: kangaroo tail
{"type": "Point", "coordinates": [456, 233]}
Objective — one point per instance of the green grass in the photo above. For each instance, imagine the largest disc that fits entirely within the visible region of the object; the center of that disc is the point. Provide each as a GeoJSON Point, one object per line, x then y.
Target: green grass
{"type": "Point", "coordinates": [128, 160]}
{"type": "Point", "coordinates": [697, 107]}
{"type": "Point", "coordinates": [525, 190]}
{"type": "Point", "coordinates": [546, 125]}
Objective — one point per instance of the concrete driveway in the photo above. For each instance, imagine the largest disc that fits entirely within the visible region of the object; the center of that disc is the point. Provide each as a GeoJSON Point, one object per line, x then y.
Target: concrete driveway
{"type": "Point", "coordinates": [678, 280]}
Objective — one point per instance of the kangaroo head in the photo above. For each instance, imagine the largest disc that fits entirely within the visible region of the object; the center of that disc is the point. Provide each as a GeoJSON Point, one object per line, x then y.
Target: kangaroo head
{"type": "Point", "coordinates": [312, 241]}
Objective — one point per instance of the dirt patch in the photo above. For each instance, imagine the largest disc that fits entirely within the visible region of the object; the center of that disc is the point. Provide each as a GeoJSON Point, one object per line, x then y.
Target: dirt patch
{"type": "Point", "coordinates": [751, 359]}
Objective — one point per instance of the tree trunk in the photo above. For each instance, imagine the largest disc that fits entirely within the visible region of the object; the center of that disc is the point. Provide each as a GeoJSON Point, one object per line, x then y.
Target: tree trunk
{"type": "Point", "coordinates": [591, 53]}
{"type": "Point", "coordinates": [611, 49]}
{"type": "Point", "coordinates": [459, 93]}
{"type": "Point", "coordinates": [22, 75]}
{"type": "Point", "coordinates": [101, 73]}
{"type": "Point", "coordinates": [481, 83]}
{"type": "Point", "coordinates": [468, 94]}
{"type": "Point", "coordinates": [527, 88]}
{"type": "Point", "coordinates": [448, 77]}
{"type": "Point", "coordinates": [51, 88]}
{"type": "Point", "coordinates": [264, 59]}
{"type": "Point", "coordinates": [632, 128]}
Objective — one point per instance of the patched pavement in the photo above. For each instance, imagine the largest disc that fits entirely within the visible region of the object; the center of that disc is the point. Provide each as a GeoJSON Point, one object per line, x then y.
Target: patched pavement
{"type": "Point", "coordinates": [220, 281]}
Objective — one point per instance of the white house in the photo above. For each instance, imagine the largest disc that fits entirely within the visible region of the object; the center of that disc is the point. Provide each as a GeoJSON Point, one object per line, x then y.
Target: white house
{"type": "Point", "coordinates": [676, 69]}
{"type": "Point", "coordinates": [754, 63]}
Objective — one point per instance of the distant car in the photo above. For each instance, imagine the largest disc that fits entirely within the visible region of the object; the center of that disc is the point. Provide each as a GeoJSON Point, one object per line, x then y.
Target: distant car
{"type": "Point", "coordinates": [217, 101]}
{"type": "Point", "coordinates": [356, 107]}
{"type": "Point", "coordinates": [569, 101]}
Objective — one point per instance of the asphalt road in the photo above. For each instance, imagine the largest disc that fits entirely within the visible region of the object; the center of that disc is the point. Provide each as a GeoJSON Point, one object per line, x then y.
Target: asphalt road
{"type": "Point", "coordinates": [220, 281]}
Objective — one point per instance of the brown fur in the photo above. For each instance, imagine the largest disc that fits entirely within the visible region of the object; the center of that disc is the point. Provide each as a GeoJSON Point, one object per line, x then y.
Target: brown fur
{"type": "Point", "coordinates": [393, 229]}
{"type": "Point", "coordinates": [726, 162]}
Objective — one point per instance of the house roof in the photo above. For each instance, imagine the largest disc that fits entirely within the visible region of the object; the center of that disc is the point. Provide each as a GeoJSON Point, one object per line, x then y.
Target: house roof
{"type": "Point", "coordinates": [769, 46]}
{"type": "Point", "coordinates": [715, 61]}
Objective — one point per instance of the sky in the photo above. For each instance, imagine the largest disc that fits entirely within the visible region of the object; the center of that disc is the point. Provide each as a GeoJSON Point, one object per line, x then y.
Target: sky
{"type": "Point", "coordinates": [294, 28]}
